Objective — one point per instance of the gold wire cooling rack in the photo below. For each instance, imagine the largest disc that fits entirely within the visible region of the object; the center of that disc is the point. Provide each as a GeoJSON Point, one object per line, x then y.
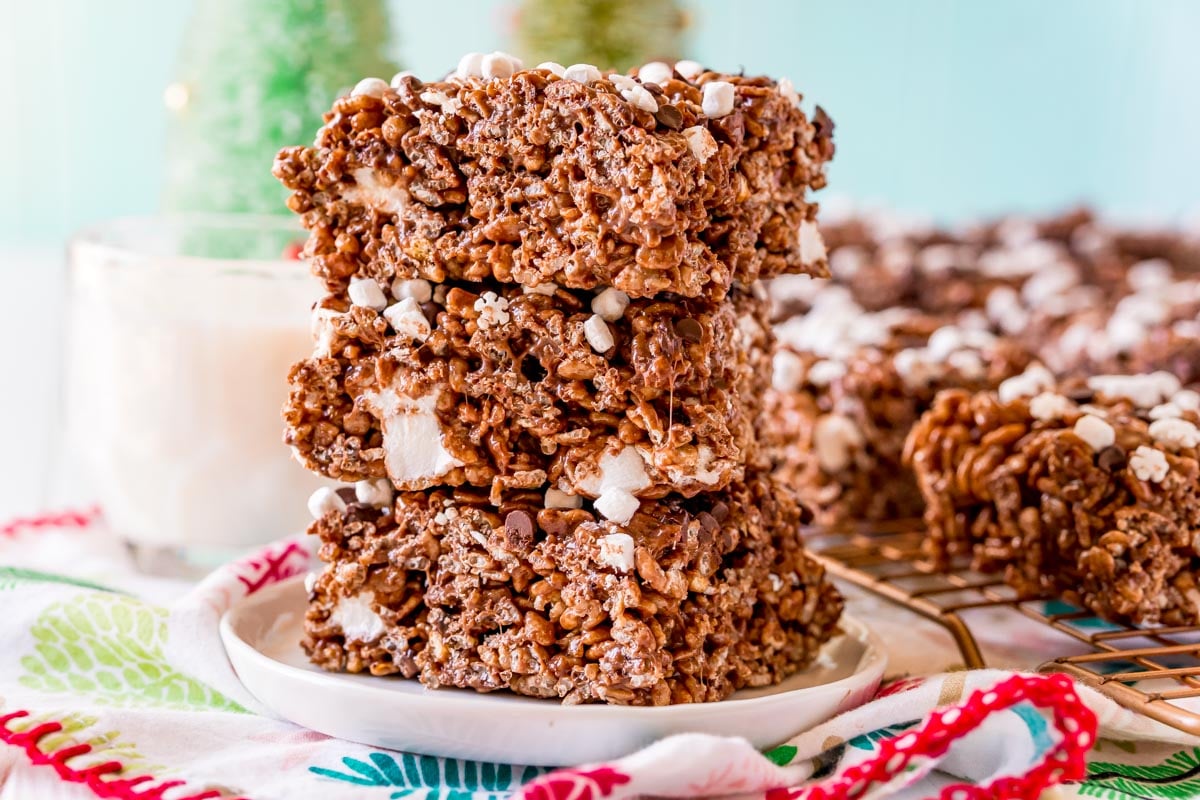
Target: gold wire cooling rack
{"type": "Point", "coordinates": [1148, 670]}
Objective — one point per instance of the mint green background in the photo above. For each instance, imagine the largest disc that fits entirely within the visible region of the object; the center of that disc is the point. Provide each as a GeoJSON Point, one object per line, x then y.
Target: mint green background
{"type": "Point", "coordinates": [943, 107]}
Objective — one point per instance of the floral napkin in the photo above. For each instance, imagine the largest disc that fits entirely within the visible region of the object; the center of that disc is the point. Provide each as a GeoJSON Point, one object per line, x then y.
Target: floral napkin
{"type": "Point", "coordinates": [115, 685]}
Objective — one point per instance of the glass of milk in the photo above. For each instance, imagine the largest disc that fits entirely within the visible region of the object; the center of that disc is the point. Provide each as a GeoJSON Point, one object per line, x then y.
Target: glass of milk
{"type": "Point", "coordinates": [180, 333]}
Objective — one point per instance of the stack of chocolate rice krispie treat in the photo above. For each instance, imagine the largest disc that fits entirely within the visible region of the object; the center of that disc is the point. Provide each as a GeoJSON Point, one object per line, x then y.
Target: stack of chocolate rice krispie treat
{"type": "Point", "coordinates": [541, 363]}
{"type": "Point", "coordinates": [911, 310]}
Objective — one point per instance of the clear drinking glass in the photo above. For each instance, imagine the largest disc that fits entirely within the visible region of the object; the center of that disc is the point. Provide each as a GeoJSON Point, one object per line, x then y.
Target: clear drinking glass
{"type": "Point", "coordinates": [181, 331]}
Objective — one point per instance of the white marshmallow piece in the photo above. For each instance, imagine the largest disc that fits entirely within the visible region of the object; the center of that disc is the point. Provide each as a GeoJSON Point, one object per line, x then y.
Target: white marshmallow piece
{"type": "Point", "coordinates": [498, 65]}
{"type": "Point", "coordinates": [556, 498]}
{"type": "Point", "coordinates": [610, 304]}
{"type": "Point", "coordinates": [690, 70]}
{"type": "Point", "coordinates": [1175, 433]}
{"type": "Point", "coordinates": [366, 292]}
{"type": "Point", "coordinates": [1030, 383]}
{"type": "Point", "coordinates": [823, 373]}
{"type": "Point", "coordinates": [584, 73]}
{"type": "Point", "coordinates": [1149, 464]}
{"type": "Point", "coordinates": [1187, 400]}
{"type": "Point", "coordinates": [787, 371]}
{"type": "Point", "coordinates": [408, 320]}
{"type": "Point", "coordinates": [835, 438]}
{"type": "Point", "coordinates": [640, 97]}
{"type": "Point", "coordinates": [470, 66]}
{"type": "Point", "coordinates": [812, 244]}
{"type": "Point", "coordinates": [418, 289]}
{"type": "Point", "coordinates": [558, 70]}
{"type": "Point", "coordinates": [616, 551]}
{"type": "Point", "coordinates": [656, 72]}
{"type": "Point", "coordinates": [370, 87]}
{"type": "Point", "coordinates": [617, 505]}
{"type": "Point", "coordinates": [324, 500]}
{"type": "Point", "coordinates": [788, 90]}
{"type": "Point", "coordinates": [718, 99]}
{"type": "Point", "coordinates": [596, 331]}
{"type": "Point", "coordinates": [1095, 432]}
{"type": "Point", "coordinates": [700, 142]}
{"type": "Point", "coordinates": [1049, 406]}
{"type": "Point", "coordinates": [398, 78]}
{"type": "Point", "coordinates": [493, 310]}
{"type": "Point", "coordinates": [376, 492]}
{"type": "Point", "coordinates": [1166, 411]}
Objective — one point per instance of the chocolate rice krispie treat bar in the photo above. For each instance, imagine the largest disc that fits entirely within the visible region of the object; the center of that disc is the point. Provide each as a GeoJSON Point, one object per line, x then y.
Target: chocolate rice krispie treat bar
{"type": "Point", "coordinates": [1088, 490]}
{"type": "Point", "coordinates": [848, 385]}
{"type": "Point", "coordinates": [688, 601]}
{"type": "Point", "coordinates": [675, 179]}
{"type": "Point", "coordinates": [504, 388]}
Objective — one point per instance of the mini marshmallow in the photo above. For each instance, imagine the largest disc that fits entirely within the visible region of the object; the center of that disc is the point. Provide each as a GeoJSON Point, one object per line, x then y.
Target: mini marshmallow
{"type": "Point", "coordinates": [498, 65]}
{"type": "Point", "coordinates": [370, 87]}
{"type": "Point", "coordinates": [968, 363]}
{"type": "Point", "coordinates": [470, 66]}
{"type": "Point", "coordinates": [656, 72]}
{"type": "Point", "coordinates": [700, 142]}
{"type": "Point", "coordinates": [584, 73]}
{"type": "Point", "coordinates": [1166, 411]}
{"type": "Point", "coordinates": [553, 67]}
{"type": "Point", "coordinates": [398, 78]}
{"type": "Point", "coordinates": [1149, 464]}
{"type": "Point", "coordinates": [787, 371]}
{"type": "Point", "coordinates": [616, 551]}
{"type": "Point", "coordinates": [325, 500]}
{"type": "Point", "coordinates": [718, 99]}
{"type": "Point", "coordinates": [547, 288]}
{"type": "Point", "coordinates": [617, 505]}
{"type": "Point", "coordinates": [310, 582]}
{"type": "Point", "coordinates": [640, 97]}
{"type": "Point", "coordinates": [1049, 406]}
{"type": "Point", "coordinates": [1187, 400]}
{"type": "Point", "coordinates": [597, 333]}
{"type": "Point", "coordinates": [366, 292]}
{"type": "Point", "coordinates": [824, 373]}
{"type": "Point", "coordinates": [448, 104]}
{"type": "Point", "coordinates": [622, 81]}
{"type": "Point", "coordinates": [376, 492]}
{"type": "Point", "coordinates": [812, 244]}
{"type": "Point", "coordinates": [493, 310]}
{"type": "Point", "coordinates": [1175, 433]}
{"type": "Point", "coordinates": [408, 320]}
{"type": "Point", "coordinates": [610, 304]}
{"type": "Point", "coordinates": [1146, 391]}
{"type": "Point", "coordinates": [788, 90]}
{"type": "Point", "coordinates": [1095, 432]}
{"type": "Point", "coordinates": [1153, 273]}
{"type": "Point", "coordinates": [835, 437]}
{"type": "Point", "coordinates": [560, 499]}
{"type": "Point", "coordinates": [418, 289]}
{"type": "Point", "coordinates": [1030, 383]}
{"type": "Point", "coordinates": [690, 70]}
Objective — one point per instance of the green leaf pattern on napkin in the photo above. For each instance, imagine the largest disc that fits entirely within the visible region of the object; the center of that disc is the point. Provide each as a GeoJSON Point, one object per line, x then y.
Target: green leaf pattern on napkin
{"type": "Point", "coordinates": [433, 778]}
{"type": "Point", "coordinates": [110, 648]}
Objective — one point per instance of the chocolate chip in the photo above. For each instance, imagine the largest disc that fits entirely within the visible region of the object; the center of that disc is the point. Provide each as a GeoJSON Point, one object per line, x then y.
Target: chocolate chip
{"type": "Point", "coordinates": [347, 494]}
{"type": "Point", "coordinates": [689, 330]}
{"type": "Point", "coordinates": [518, 531]}
{"type": "Point", "coordinates": [669, 116]}
{"type": "Point", "coordinates": [1080, 393]}
{"type": "Point", "coordinates": [1112, 458]}
{"type": "Point", "coordinates": [708, 523]}
{"type": "Point", "coordinates": [653, 88]}
{"type": "Point", "coordinates": [720, 511]}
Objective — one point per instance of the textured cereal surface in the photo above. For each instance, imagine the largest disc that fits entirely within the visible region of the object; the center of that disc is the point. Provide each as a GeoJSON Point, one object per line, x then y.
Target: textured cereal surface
{"type": "Point", "coordinates": [525, 400]}
{"type": "Point", "coordinates": [535, 178]}
{"type": "Point", "coordinates": [1035, 500]}
{"type": "Point", "coordinates": [714, 594]}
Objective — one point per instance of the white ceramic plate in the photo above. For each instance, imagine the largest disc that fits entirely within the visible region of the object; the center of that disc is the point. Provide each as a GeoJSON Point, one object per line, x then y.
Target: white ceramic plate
{"type": "Point", "coordinates": [262, 634]}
